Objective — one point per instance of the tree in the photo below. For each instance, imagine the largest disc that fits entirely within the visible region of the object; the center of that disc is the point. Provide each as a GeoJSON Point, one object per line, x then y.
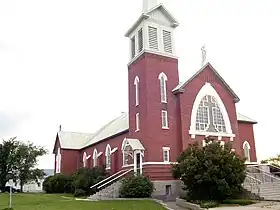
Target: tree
{"type": "Point", "coordinates": [25, 165]}
{"type": "Point", "coordinates": [8, 156]}
{"type": "Point", "coordinates": [273, 161]}
{"type": "Point", "coordinates": [212, 172]}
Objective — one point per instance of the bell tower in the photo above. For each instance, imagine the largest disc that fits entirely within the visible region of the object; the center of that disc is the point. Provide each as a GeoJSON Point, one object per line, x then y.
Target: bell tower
{"type": "Point", "coordinates": [152, 75]}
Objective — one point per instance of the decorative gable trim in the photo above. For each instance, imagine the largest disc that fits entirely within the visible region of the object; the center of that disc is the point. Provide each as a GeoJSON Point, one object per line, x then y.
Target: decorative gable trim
{"type": "Point", "coordinates": [180, 87]}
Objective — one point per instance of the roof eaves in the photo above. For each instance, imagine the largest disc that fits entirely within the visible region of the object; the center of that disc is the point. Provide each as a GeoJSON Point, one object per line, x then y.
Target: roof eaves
{"type": "Point", "coordinates": [142, 17]}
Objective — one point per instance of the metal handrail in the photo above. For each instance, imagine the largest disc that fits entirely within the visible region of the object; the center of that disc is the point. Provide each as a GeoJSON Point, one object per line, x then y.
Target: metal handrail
{"type": "Point", "coordinates": [107, 178]}
{"type": "Point", "coordinates": [264, 172]}
{"type": "Point", "coordinates": [253, 178]}
{"type": "Point", "coordinates": [115, 178]}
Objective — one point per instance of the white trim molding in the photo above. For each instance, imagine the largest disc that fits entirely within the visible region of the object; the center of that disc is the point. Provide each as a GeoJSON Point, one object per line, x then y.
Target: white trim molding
{"type": "Point", "coordinates": [246, 143]}
{"type": "Point", "coordinates": [207, 89]}
{"type": "Point", "coordinates": [136, 84]}
{"type": "Point", "coordinates": [167, 150]}
{"type": "Point", "coordinates": [162, 84]}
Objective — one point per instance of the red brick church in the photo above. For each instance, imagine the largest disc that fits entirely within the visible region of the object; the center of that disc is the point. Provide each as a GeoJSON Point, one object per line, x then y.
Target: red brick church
{"type": "Point", "coordinates": [165, 115]}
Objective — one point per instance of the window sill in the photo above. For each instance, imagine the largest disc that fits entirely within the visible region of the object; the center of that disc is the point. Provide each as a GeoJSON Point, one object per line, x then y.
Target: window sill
{"type": "Point", "coordinates": [165, 128]}
{"type": "Point", "coordinates": [108, 168]}
{"type": "Point", "coordinates": [164, 102]}
{"type": "Point", "coordinates": [137, 130]}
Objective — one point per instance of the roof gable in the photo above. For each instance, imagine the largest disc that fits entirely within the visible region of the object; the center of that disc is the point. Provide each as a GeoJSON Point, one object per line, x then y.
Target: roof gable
{"type": "Point", "coordinates": [180, 87]}
{"type": "Point", "coordinates": [156, 12]}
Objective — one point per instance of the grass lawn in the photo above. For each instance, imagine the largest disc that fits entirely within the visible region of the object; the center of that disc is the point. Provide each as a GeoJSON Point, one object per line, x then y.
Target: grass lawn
{"type": "Point", "coordinates": [66, 202]}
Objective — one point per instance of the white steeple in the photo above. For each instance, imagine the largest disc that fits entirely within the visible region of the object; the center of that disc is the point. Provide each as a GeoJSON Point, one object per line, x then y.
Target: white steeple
{"type": "Point", "coordinates": [153, 32]}
{"type": "Point", "coordinates": [149, 4]}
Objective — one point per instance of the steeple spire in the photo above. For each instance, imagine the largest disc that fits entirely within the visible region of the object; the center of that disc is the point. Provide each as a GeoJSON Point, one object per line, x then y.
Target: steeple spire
{"type": "Point", "coordinates": [149, 4]}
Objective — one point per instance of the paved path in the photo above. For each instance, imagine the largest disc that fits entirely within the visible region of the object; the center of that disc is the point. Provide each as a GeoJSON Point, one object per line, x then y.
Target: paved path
{"type": "Point", "coordinates": [266, 205]}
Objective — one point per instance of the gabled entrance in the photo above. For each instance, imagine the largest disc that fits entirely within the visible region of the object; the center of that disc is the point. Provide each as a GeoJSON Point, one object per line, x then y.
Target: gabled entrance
{"type": "Point", "coordinates": [133, 153]}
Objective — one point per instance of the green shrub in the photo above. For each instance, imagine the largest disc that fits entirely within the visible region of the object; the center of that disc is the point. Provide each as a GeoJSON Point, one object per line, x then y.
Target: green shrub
{"type": "Point", "coordinates": [136, 187]}
{"type": "Point", "coordinates": [79, 193]}
{"type": "Point", "coordinates": [241, 202]}
{"type": "Point", "coordinates": [212, 172]}
{"type": "Point", "coordinates": [209, 204]}
{"type": "Point", "coordinates": [84, 178]}
{"type": "Point", "coordinates": [58, 183]}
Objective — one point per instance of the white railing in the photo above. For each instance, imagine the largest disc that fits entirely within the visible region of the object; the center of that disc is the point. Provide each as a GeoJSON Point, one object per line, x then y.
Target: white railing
{"type": "Point", "coordinates": [116, 178]}
{"type": "Point", "coordinates": [108, 178]}
{"type": "Point", "coordinates": [262, 175]}
{"type": "Point", "coordinates": [254, 184]}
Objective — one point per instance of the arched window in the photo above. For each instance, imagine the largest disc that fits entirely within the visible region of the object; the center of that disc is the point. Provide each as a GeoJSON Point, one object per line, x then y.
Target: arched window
{"type": "Point", "coordinates": [246, 148]}
{"type": "Point", "coordinates": [209, 116]}
{"type": "Point", "coordinates": [94, 158]}
{"type": "Point", "coordinates": [58, 161]}
{"type": "Point", "coordinates": [162, 80]}
{"type": "Point", "coordinates": [108, 157]}
{"type": "Point", "coordinates": [85, 160]}
{"type": "Point", "coordinates": [136, 84]}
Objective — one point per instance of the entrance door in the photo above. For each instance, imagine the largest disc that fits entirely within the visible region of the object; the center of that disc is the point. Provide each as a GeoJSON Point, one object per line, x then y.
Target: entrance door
{"type": "Point", "coordinates": [138, 156]}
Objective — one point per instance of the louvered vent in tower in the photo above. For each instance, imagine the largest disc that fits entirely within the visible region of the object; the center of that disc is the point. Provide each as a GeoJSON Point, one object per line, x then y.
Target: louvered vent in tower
{"type": "Point", "coordinates": [167, 41]}
{"type": "Point", "coordinates": [140, 40]}
{"type": "Point", "coordinates": [153, 38]}
{"type": "Point", "coordinates": [133, 47]}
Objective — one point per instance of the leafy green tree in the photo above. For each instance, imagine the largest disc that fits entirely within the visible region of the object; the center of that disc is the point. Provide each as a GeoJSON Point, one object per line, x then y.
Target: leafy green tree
{"type": "Point", "coordinates": [273, 161]}
{"type": "Point", "coordinates": [8, 157]}
{"type": "Point", "coordinates": [25, 165]}
{"type": "Point", "coordinates": [212, 172]}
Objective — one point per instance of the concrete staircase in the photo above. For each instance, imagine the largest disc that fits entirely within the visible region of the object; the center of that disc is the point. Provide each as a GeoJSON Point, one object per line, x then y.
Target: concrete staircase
{"type": "Point", "coordinates": [109, 187]}
{"type": "Point", "coordinates": [261, 182]}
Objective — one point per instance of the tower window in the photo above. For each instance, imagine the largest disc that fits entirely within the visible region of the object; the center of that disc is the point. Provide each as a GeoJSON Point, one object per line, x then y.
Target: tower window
{"type": "Point", "coordinates": [153, 38]}
{"type": "Point", "coordinates": [164, 119]}
{"type": "Point", "coordinates": [140, 40]}
{"type": "Point", "coordinates": [246, 148]}
{"type": "Point", "coordinates": [58, 161]}
{"type": "Point", "coordinates": [133, 47]}
{"type": "Point", "coordinates": [166, 154]}
{"type": "Point", "coordinates": [167, 41]}
{"type": "Point", "coordinates": [137, 122]}
{"type": "Point", "coordinates": [136, 83]}
{"type": "Point", "coordinates": [163, 79]}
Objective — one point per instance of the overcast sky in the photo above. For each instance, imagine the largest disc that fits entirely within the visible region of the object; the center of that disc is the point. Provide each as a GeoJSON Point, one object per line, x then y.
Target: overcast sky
{"type": "Point", "coordinates": [65, 62]}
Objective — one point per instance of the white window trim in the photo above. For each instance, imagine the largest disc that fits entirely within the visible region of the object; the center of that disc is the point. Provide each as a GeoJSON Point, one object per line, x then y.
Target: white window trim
{"type": "Point", "coordinates": [58, 161]}
{"type": "Point", "coordinates": [137, 122]}
{"type": "Point", "coordinates": [164, 77]}
{"type": "Point", "coordinates": [85, 159]}
{"type": "Point", "coordinates": [162, 126]}
{"type": "Point", "coordinates": [207, 89]}
{"type": "Point", "coordinates": [94, 157]}
{"type": "Point", "coordinates": [246, 143]}
{"type": "Point", "coordinates": [166, 149]}
{"type": "Point", "coordinates": [136, 84]}
{"type": "Point", "coordinates": [108, 148]}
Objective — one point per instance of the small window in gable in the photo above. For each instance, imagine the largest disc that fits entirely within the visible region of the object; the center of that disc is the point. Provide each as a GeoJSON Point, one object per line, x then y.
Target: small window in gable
{"type": "Point", "coordinates": [162, 80]}
{"type": "Point", "coordinates": [140, 40]}
{"type": "Point", "coordinates": [209, 116]}
{"type": "Point", "coordinates": [166, 154]}
{"type": "Point", "coordinates": [133, 47]}
{"type": "Point", "coordinates": [167, 41]}
{"type": "Point", "coordinates": [153, 38]}
{"type": "Point", "coordinates": [164, 119]}
{"type": "Point", "coordinates": [108, 157]}
{"type": "Point", "coordinates": [137, 122]}
{"type": "Point", "coordinates": [136, 84]}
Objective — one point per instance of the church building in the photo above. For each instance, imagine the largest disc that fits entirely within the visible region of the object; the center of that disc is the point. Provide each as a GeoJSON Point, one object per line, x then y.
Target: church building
{"type": "Point", "coordinates": [164, 116]}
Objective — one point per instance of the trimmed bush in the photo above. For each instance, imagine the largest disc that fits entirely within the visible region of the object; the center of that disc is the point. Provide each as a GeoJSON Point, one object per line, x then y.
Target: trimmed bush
{"type": "Point", "coordinates": [136, 187]}
{"type": "Point", "coordinates": [58, 183]}
{"type": "Point", "coordinates": [79, 193]}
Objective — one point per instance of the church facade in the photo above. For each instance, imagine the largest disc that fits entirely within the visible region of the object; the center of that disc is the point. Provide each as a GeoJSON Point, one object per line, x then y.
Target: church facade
{"type": "Point", "coordinates": [165, 116]}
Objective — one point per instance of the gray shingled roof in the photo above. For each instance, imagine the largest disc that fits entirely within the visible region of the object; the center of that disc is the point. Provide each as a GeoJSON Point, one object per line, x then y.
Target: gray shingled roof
{"type": "Point", "coordinates": [71, 140]}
